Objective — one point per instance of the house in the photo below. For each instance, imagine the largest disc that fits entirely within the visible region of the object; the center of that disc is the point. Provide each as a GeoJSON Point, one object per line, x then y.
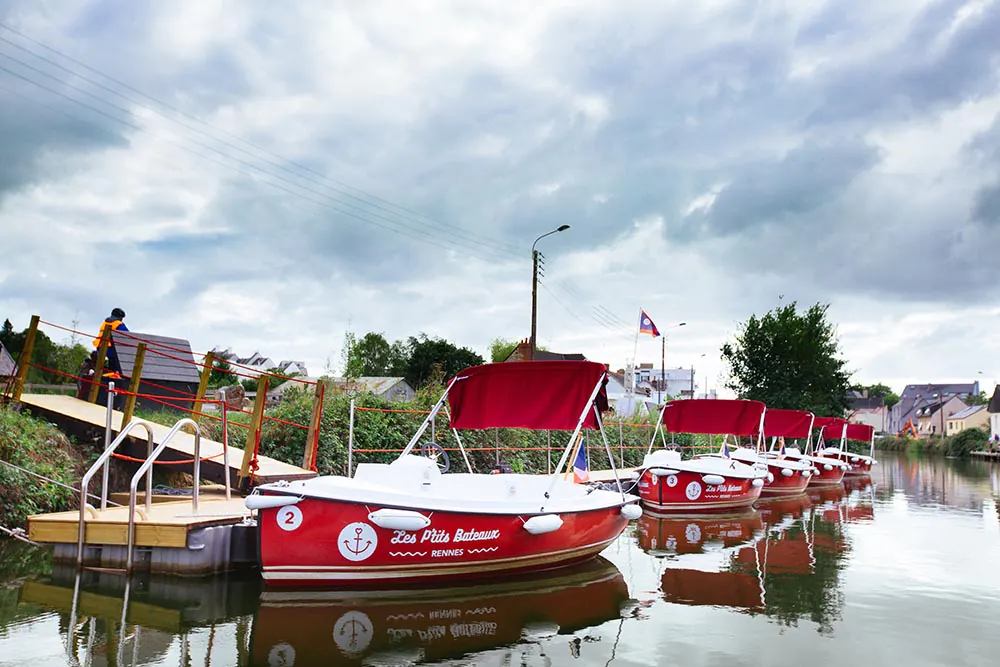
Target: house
{"type": "Point", "coordinates": [388, 388]}
{"type": "Point", "coordinates": [8, 367]}
{"type": "Point", "coordinates": [867, 410]}
{"type": "Point", "coordinates": [676, 382]}
{"type": "Point", "coordinates": [974, 416]}
{"type": "Point", "coordinates": [994, 409]}
{"type": "Point", "coordinates": [523, 353]}
{"type": "Point", "coordinates": [172, 380]}
{"type": "Point", "coordinates": [921, 395]}
{"type": "Point", "coordinates": [255, 365]}
{"type": "Point", "coordinates": [931, 417]}
{"type": "Point", "coordinates": [293, 368]}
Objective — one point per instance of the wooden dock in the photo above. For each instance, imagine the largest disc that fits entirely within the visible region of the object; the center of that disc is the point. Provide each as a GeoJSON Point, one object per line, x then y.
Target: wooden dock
{"type": "Point", "coordinates": [167, 524]}
{"type": "Point", "coordinates": [986, 455]}
{"type": "Point", "coordinates": [180, 447]}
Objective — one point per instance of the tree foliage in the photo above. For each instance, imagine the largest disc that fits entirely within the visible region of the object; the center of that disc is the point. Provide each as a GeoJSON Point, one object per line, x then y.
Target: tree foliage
{"type": "Point", "coordinates": [501, 348]}
{"type": "Point", "coordinates": [374, 356]}
{"type": "Point", "coordinates": [222, 374]}
{"type": "Point", "coordinates": [63, 359]}
{"type": "Point", "coordinates": [789, 359]}
{"type": "Point", "coordinates": [879, 390]}
{"type": "Point", "coordinates": [431, 358]}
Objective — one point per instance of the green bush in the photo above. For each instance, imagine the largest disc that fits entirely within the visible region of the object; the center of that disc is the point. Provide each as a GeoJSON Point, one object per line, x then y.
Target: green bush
{"type": "Point", "coordinates": [38, 446]}
{"type": "Point", "coordinates": [970, 440]}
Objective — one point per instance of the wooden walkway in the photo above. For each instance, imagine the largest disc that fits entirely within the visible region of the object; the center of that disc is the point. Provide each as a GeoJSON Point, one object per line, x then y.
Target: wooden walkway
{"type": "Point", "coordinates": [180, 447]}
{"type": "Point", "coordinates": [165, 525]}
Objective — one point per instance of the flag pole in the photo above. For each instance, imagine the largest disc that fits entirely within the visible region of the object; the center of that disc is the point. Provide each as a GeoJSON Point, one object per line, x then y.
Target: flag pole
{"type": "Point", "coordinates": [635, 351]}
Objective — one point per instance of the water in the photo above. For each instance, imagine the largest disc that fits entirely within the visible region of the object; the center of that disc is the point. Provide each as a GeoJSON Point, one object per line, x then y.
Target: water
{"type": "Point", "coordinates": [904, 569]}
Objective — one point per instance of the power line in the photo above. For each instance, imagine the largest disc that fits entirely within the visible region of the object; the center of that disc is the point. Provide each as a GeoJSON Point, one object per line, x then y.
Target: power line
{"type": "Point", "coordinates": [470, 236]}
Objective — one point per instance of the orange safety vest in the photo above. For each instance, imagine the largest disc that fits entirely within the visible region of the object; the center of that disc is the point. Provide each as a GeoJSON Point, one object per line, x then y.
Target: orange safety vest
{"type": "Point", "coordinates": [100, 333]}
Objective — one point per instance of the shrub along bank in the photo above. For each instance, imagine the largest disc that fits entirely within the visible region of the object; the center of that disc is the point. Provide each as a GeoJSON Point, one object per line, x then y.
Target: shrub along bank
{"type": "Point", "coordinates": [35, 445]}
{"type": "Point", "coordinates": [960, 445]}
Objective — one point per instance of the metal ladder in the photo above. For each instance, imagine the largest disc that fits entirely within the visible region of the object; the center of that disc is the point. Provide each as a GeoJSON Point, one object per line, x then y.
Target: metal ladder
{"type": "Point", "coordinates": [145, 469]}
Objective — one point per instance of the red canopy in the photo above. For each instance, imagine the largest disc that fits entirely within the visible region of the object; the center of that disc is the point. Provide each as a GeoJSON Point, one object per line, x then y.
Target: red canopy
{"type": "Point", "coordinates": [787, 423]}
{"type": "Point", "coordinates": [527, 394]}
{"type": "Point", "coordinates": [707, 415]}
{"type": "Point", "coordinates": [860, 432]}
{"type": "Point", "coordinates": [835, 422]}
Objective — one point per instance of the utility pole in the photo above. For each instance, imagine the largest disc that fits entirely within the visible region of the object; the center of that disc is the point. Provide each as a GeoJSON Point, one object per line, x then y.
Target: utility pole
{"type": "Point", "coordinates": [692, 380]}
{"type": "Point", "coordinates": [534, 299]}
{"type": "Point", "coordinates": [534, 283]}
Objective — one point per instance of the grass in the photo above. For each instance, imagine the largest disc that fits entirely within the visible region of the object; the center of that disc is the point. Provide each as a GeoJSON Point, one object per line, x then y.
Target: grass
{"type": "Point", "coordinates": [35, 445]}
{"type": "Point", "coordinates": [960, 445]}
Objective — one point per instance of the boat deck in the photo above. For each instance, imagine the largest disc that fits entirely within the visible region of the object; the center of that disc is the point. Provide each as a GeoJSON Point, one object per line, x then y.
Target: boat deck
{"type": "Point", "coordinates": [180, 447]}
{"type": "Point", "coordinates": [167, 524]}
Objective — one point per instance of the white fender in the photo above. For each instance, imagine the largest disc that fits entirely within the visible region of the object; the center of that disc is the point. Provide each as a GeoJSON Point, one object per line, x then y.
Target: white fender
{"type": "Point", "coordinates": [787, 472]}
{"type": "Point", "coordinates": [714, 480]}
{"type": "Point", "coordinates": [806, 473]}
{"type": "Point", "coordinates": [256, 501]}
{"type": "Point", "coordinates": [854, 459]}
{"type": "Point", "coordinates": [396, 519]}
{"type": "Point", "coordinates": [631, 511]}
{"type": "Point", "coordinates": [543, 523]}
{"type": "Point", "coordinates": [827, 466]}
{"type": "Point", "coordinates": [770, 477]}
{"type": "Point", "coordinates": [757, 482]}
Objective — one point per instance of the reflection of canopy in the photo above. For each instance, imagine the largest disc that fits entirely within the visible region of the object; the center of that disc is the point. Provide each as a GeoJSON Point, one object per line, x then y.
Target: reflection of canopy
{"type": "Point", "coordinates": [695, 587]}
{"type": "Point", "coordinates": [725, 416]}
{"type": "Point", "coordinates": [527, 394]}
{"type": "Point", "coordinates": [787, 423]}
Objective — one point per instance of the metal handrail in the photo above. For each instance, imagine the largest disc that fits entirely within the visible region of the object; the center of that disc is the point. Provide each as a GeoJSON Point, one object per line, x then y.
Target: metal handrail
{"type": "Point", "coordinates": [102, 460]}
{"type": "Point", "coordinates": [147, 467]}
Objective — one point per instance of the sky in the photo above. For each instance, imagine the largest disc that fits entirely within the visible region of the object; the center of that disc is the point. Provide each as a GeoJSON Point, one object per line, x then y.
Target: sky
{"type": "Point", "coordinates": [261, 178]}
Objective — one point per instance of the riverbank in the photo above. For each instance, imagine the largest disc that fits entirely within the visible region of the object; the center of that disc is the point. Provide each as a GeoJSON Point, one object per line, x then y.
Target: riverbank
{"type": "Point", "coordinates": [960, 445]}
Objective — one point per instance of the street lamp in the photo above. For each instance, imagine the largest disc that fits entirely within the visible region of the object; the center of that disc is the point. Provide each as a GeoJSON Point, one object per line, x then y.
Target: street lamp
{"type": "Point", "coordinates": [534, 283]}
{"type": "Point", "coordinates": [663, 362]}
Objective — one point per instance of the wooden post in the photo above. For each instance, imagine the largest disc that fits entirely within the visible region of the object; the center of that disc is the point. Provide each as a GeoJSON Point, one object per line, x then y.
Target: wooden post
{"type": "Point", "coordinates": [253, 433]}
{"type": "Point", "coordinates": [312, 439]}
{"type": "Point", "coordinates": [25, 356]}
{"type": "Point", "coordinates": [203, 386]}
{"type": "Point", "coordinates": [133, 383]}
{"type": "Point", "coordinates": [102, 356]}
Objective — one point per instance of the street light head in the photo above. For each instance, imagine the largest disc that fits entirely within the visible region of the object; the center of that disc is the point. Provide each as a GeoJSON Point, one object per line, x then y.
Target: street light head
{"type": "Point", "coordinates": [562, 228]}
{"type": "Point", "coordinates": [682, 324]}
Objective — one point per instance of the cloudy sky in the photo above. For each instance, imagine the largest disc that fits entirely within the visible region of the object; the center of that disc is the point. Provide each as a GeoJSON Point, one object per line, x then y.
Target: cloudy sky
{"type": "Point", "coordinates": [242, 175]}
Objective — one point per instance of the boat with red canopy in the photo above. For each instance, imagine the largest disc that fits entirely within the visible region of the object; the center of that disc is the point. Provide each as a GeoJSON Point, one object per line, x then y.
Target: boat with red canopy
{"type": "Point", "coordinates": [706, 482]}
{"type": "Point", "coordinates": [781, 424]}
{"type": "Point", "coordinates": [860, 464]}
{"type": "Point", "coordinates": [406, 522]}
{"type": "Point", "coordinates": [787, 476]}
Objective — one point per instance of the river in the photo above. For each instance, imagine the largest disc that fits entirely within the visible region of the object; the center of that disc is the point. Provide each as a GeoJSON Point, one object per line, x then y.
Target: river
{"type": "Point", "coordinates": [902, 569]}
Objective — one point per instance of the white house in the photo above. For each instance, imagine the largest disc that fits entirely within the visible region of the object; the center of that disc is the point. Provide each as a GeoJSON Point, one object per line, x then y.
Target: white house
{"type": "Point", "coordinates": [675, 382]}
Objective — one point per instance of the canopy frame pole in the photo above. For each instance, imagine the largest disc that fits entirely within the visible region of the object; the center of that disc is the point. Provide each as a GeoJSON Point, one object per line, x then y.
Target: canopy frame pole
{"type": "Point", "coordinates": [607, 447]}
{"type": "Point", "coordinates": [430, 417]}
{"type": "Point", "coordinates": [572, 440]}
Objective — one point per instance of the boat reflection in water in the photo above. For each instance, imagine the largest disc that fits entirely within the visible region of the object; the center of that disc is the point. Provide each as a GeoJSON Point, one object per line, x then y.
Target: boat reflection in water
{"type": "Point", "coordinates": [320, 627]}
{"type": "Point", "coordinates": [782, 560]}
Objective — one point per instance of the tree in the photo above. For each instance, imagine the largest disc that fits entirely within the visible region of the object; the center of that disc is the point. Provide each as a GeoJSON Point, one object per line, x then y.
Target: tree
{"type": "Point", "coordinates": [501, 348]}
{"type": "Point", "coordinates": [978, 399]}
{"type": "Point", "coordinates": [789, 360]}
{"type": "Point", "coordinates": [432, 357]}
{"type": "Point", "coordinates": [879, 390]}
{"type": "Point", "coordinates": [222, 374]}
{"type": "Point", "coordinates": [11, 340]}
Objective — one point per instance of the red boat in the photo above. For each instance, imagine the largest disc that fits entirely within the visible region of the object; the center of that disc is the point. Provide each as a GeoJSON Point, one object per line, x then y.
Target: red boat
{"type": "Point", "coordinates": [787, 476]}
{"type": "Point", "coordinates": [706, 482]}
{"type": "Point", "coordinates": [826, 471]}
{"type": "Point", "coordinates": [859, 464]}
{"type": "Point", "coordinates": [437, 624]}
{"type": "Point", "coordinates": [689, 534]}
{"type": "Point", "coordinates": [406, 522]}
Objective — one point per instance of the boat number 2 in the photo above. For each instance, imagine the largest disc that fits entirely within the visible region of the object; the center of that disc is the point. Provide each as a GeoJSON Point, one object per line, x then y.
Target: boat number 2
{"type": "Point", "coordinates": [289, 517]}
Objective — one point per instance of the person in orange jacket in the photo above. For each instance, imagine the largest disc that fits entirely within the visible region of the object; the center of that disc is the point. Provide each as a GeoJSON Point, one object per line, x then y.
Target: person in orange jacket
{"type": "Point", "coordinates": [117, 323]}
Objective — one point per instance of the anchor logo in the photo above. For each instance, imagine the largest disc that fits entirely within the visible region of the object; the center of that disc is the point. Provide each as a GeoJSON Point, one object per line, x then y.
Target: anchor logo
{"type": "Point", "coordinates": [353, 633]}
{"type": "Point", "coordinates": [357, 541]}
